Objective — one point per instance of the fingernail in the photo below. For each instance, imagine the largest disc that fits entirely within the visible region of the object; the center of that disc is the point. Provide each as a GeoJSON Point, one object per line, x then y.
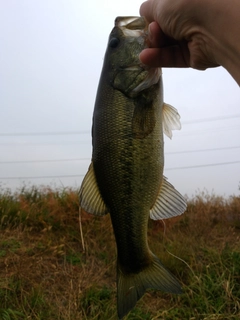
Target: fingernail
{"type": "Point", "coordinates": [150, 37]}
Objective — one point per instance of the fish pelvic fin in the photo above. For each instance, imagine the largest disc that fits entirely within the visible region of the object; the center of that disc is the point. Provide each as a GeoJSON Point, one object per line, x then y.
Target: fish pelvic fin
{"type": "Point", "coordinates": [90, 198]}
{"type": "Point", "coordinates": [131, 287]}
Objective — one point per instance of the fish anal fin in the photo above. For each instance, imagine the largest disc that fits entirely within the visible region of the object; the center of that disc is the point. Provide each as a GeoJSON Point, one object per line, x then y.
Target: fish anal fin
{"type": "Point", "coordinates": [171, 120]}
{"type": "Point", "coordinates": [89, 195]}
{"type": "Point", "coordinates": [169, 203]}
{"type": "Point", "coordinates": [131, 287]}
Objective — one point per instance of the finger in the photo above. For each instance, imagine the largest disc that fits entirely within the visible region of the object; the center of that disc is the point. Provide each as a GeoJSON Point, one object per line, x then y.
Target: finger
{"type": "Point", "coordinates": [158, 38]}
{"type": "Point", "coordinates": [170, 57]}
{"type": "Point", "coordinates": [146, 10]}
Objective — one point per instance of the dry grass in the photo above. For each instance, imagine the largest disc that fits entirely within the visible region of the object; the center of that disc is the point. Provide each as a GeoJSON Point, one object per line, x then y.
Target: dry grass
{"type": "Point", "coordinates": [46, 274]}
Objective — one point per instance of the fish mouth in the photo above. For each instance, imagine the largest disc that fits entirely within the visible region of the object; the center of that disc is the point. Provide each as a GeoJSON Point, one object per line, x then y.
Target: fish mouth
{"type": "Point", "coordinates": [132, 26]}
{"type": "Point", "coordinates": [144, 76]}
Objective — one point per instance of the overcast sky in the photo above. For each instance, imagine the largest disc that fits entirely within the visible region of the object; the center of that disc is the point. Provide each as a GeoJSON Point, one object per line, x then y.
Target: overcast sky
{"type": "Point", "coordinates": [50, 62]}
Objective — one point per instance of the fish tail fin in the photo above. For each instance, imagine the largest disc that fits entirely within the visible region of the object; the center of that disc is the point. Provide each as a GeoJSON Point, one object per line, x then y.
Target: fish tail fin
{"type": "Point", "coordinates": [131, 287]}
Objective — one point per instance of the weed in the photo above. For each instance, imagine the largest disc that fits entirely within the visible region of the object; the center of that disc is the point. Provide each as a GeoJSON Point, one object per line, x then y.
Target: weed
{"type": "Point", "coordinates": [9, 314]}
{"type": "Point", "coordinates": [95, 300]}
{"type": "Point", "coordinates": [74, 258]}
{"type": "Point", "coordinates": [46, 274]}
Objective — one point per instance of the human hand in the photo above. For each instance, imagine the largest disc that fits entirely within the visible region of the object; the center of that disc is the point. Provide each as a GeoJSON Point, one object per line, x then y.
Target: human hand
{"type": "Point", "coordinates": [179, 34]}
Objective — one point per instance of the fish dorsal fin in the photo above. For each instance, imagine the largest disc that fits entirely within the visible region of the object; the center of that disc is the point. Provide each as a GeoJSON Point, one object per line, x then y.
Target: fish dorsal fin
{"type": "Point", "coordinates": [89, 195]}
{"type": "Point", "coordinates": [169, 203]}
{"type": "Point", "coordinates": [171, 120]}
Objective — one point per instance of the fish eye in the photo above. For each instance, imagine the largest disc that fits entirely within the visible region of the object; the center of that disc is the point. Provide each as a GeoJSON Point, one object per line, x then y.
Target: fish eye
{"type": "Point", "coordinates": [113, 43]}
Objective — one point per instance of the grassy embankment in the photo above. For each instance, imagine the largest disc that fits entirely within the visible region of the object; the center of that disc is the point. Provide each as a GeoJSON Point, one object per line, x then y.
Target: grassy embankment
{"type": "Point", "coordinates": [45, 274]}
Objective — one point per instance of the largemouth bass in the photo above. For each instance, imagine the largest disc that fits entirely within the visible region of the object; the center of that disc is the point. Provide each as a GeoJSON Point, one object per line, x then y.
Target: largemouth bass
{"type": "Point", "coordinates": [125, 177]}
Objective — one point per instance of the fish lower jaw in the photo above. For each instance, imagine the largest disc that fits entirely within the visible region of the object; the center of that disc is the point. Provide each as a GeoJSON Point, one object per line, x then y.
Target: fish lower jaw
{"type": "Point", "coordinates": [152, 78]}
{"type": "Point", "coordinates": [134, 68]}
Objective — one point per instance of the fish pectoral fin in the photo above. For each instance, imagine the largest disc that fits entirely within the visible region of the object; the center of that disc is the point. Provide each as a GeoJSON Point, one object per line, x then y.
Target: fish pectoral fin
{"type": "Point", "coordinates": [144, 120]}
{"type": "Point", "coordinates": [169, 203]}
{"type": "Point", "coordinates": [131, 287]}
{"type": "Point", "coordinates": [171, 120]}
{"type": "Point", "coordinates": [89, 195]}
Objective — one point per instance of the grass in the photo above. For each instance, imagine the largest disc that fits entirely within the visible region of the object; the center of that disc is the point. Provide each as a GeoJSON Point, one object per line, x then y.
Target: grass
{"type": "Point", "coordinates": [46, 274]}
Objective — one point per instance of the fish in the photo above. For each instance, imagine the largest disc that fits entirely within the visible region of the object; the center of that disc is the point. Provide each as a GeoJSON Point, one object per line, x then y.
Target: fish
{"type": "Point", "coordinates": [125, 177]}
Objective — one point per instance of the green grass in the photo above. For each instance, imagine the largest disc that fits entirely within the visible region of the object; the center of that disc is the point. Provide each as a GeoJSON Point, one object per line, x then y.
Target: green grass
{"type": "Point", "coordinates": [46, 274]}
